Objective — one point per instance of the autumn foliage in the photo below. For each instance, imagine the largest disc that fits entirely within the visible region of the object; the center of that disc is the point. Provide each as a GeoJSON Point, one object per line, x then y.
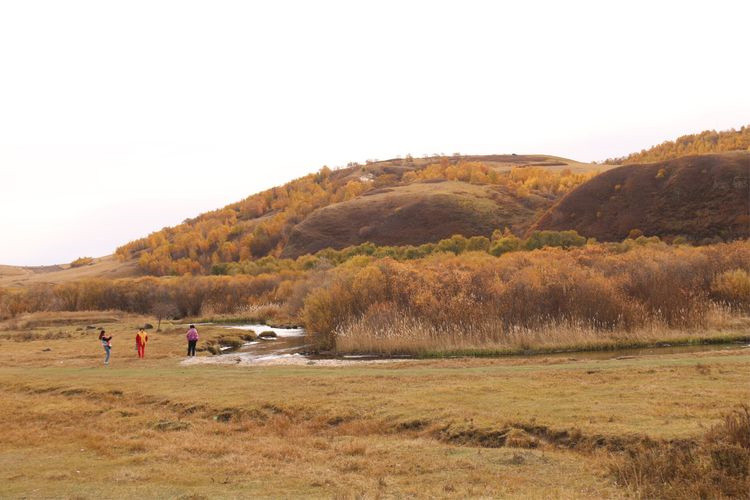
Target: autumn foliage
{"type": "Point", "coordinates": [598, 288]}
{"type": "Point", "coordinates": [708, 141]}
{"type": "Point", "coordinates": [82, 261]}
{"type": "Point", "coordinates": [260, 225]}
{"type": "Point", "coordinates": [186, 296]}
{"type": "Point", "coordinates": [462, 289]}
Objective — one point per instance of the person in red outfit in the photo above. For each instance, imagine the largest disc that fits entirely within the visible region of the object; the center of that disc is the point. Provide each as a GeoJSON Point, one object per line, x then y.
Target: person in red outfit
{"type": "Point", "coordinates": [140, 342]}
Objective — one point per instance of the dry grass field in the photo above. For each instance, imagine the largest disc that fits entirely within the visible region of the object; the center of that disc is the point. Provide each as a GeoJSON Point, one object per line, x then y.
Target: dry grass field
{"type": "Point", "coordinates": [535, 427]}
{"type": "Point", "coordinates": [102, 267]}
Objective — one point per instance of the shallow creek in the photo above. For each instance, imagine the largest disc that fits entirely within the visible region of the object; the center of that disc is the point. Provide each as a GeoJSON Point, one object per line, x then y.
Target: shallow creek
{"type": "Point", "coordinates": [290, 345]}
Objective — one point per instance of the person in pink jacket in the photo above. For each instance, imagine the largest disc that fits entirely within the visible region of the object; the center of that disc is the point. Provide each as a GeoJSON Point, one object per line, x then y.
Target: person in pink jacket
{"type": "Point", "coordinates": [192, 338]}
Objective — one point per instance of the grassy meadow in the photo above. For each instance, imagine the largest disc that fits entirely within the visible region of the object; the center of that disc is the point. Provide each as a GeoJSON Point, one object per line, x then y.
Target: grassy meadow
{"type": "Point", "coordinates": [534, 427]}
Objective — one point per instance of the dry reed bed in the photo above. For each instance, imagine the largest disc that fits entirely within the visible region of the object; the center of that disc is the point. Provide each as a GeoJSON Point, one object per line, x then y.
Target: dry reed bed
{"type": "Point", "coordinates": [406, 335]}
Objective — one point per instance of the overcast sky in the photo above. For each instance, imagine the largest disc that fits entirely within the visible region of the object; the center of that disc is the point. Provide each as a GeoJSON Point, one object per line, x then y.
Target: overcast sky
{"type": "Point", "coordinates": [118, 118]}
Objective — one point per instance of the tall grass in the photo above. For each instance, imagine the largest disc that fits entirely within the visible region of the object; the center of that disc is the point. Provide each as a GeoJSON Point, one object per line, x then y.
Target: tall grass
{"type": "Point", "coordinates": [386, 331]}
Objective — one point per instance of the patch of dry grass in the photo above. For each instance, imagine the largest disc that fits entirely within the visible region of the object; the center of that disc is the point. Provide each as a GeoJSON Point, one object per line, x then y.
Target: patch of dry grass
{"type": "Point", "coordinates": [87, 443]}
{"type": "Point", "coordinates": [109, 266]}
{"type": "Point", "coordinates": [716, 466]}
{"type": "Point", "coordinates": [43, 319]}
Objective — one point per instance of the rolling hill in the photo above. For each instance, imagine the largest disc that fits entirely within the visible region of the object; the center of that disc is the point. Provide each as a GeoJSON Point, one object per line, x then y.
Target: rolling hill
{"type": "Point", "coordinates": [394, 202]}
{"type": "Point", "coordinates": [103, 267]}
{"type": "Point", "coordinates": [417, 213]}
{"type": "Point", "coordinates": [699, 197]}
{"type": "Point", "coordinates": [410, 201]}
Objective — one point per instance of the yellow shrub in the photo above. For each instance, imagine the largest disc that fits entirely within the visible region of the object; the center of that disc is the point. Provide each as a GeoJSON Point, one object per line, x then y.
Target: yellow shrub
{"type": "Point", "coordinates": [733, 287]}
{"type": "Point", "coordinates": [82, 261]}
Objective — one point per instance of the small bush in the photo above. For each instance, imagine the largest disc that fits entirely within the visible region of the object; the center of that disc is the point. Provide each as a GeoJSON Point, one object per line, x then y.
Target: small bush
{"type": "Point", "coordinates": [635, 234]}
{"type": "Point", "coordinates": [680, 240]}
{"type": "Point", "coordinates": [478, 244]}
{"type": "Point", "coordinates": [505, 244]}
{"type": "Point", "coordinates": [233, 342]}
{"type": "Point", "coordinates": [562, 239]}
{"type": "Point", "coordinates": [82, 261]}
{"type": "Point", "coordinates": [249, 336]}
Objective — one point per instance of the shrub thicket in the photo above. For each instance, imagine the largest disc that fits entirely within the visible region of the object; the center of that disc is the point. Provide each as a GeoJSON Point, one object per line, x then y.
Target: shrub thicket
{"type": "Point", "coordinates": [456, 291]}
{"type": "Point", "coordinates": [601, 287]}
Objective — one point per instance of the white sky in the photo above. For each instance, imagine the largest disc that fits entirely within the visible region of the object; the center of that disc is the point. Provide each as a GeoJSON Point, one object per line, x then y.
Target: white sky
{"type": "Point", "coordinates": [118, 118]}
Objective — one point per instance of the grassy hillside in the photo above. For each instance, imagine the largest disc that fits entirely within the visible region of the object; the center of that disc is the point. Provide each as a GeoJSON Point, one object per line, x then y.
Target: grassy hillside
{"type": "Point", "coordinates": [483, 193]}
{"type": "Point", "coordinates": [414, 214]}
{"type": "Point", "coordinates": [104, 267]}
{"type": "Point", "coordinates": [698, 197]}
{"type": "Point", "coordinates": [708, 141]}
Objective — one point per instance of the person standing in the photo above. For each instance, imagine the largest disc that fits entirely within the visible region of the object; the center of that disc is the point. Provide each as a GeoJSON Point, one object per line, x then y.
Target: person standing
{"type": "Point", "coordinates": [140, 342]}
{"type": "Point", "coordinates": [107, 344]}
{"type": "Point", "coordinates": [192, 338]}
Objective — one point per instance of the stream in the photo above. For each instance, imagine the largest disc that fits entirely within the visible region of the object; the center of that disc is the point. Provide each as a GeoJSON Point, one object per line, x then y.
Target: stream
{"type": "Point", "coordinates": [288, 343]}
{"type": "Point", "coordinates": [291, 344]}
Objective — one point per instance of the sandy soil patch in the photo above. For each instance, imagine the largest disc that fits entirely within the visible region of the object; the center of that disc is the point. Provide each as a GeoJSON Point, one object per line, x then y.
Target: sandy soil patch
{"type": "Point", "coordinates": [280, 360]}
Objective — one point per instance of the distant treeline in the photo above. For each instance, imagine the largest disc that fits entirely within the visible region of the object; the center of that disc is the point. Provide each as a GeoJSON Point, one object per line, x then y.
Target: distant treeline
{"type": "Point", "coordinates": [499, 243]}
{"type": "Point", "coordinates": [708, 141]}
{"type": "Point", "coordinates": [235, 286]}
{"type": "Point", "coordinates": [165, 297]}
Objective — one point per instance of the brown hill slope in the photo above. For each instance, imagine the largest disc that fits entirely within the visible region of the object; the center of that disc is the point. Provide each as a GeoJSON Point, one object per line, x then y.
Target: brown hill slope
{"type": "Point", "coordinates": [695, 196]}
{"type": "Point", "coordinates": [414, 214]}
